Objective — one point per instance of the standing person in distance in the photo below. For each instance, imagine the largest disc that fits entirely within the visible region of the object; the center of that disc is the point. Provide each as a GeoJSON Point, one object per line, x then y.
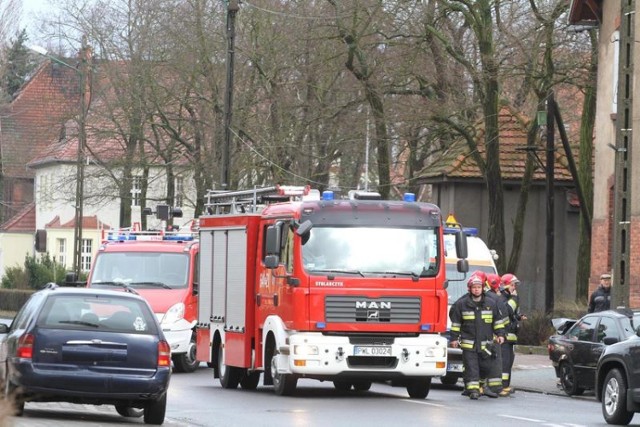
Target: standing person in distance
{"type": "Point", "coordinates": [600, 299]}
{"type": "Point", "coordinates": [475, 320]}
{"type": "Point", "coordinates": [509, 292]}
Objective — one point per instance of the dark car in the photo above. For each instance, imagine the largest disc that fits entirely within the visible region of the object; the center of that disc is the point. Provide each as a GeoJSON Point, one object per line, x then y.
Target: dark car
{"type": "Point", "coordinates": [618, 381]}
{"type": "Point", "coordinates": [576, 348]}
{"type": "Point", "coordinates": [87, 346]}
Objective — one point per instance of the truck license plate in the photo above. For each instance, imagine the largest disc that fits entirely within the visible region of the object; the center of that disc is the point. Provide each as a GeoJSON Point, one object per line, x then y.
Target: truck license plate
{"type": "Point", "coordinates": [372, 351]}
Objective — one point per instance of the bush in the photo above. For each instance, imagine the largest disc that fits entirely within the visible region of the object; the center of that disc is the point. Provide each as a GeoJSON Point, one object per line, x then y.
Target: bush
{"type": "Point", "coordinates": [15, 278]}
{"type": "Point", "coordinates": [538, 328]}
{"type": "Point", "coordinates": [36, 272]}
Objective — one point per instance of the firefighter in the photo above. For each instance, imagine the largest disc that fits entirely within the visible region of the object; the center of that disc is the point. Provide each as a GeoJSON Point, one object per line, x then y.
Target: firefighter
{"type": "Point", "coordinates": [492, 290]}
{"type": "Point", "coordinates": [509, 291]}
{"type": "Point", "coordinates": [475, 320]}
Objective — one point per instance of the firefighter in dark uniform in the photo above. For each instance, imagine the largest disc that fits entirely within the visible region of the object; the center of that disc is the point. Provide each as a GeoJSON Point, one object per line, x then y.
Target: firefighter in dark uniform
{"type": "Point", "coordinates": [508, 289]}
{"type": "Point", "coordinates": [475, 321]}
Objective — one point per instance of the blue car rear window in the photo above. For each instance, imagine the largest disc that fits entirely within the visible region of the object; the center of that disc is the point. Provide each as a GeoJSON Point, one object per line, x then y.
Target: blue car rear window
{"type": "Point", "coordinates": [99, 313]}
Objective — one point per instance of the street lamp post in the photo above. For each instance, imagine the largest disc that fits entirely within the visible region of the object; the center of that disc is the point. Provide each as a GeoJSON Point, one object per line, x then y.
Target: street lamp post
{"type": "Point", "coordinates": [81, 70]}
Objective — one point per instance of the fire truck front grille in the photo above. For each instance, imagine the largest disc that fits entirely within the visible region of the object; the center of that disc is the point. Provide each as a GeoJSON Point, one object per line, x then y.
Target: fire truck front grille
{"type": "Point", "coordinates": [350, 309]}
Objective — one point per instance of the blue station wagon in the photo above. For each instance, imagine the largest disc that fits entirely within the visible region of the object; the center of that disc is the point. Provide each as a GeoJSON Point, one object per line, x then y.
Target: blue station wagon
{"type": "Point", "coordinates": [87, 346]}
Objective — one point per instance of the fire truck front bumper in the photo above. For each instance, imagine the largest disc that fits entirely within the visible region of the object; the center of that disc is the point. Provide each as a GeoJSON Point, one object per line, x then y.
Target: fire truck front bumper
{"type": "Point", "coordinates": [318, 355]}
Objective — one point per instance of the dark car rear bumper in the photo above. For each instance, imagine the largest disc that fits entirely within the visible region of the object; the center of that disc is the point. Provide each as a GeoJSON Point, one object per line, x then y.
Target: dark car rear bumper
{"type": "Point", "coordinates": [87, 385]}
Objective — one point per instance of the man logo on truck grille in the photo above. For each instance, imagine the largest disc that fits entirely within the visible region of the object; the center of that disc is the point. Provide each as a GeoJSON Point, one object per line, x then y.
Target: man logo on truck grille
{"type": "Point", "coordinates": [373, 311]}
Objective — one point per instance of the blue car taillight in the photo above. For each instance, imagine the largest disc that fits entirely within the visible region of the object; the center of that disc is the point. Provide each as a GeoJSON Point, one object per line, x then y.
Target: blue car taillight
{"type": "Point", "coordinates": [25, 346]}
{"type": "Point", "coordinates": [164, 354]}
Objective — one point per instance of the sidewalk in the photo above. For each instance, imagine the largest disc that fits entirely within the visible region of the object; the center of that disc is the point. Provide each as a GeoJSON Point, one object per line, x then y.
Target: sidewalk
{"type": "Point", "coordinates": [535, 373]}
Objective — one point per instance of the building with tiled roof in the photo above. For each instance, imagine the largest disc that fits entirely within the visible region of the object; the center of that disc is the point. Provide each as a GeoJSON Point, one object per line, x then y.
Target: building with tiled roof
{"type": "Point", "coordinates": [39, 138]}
{"type": "Point", "coordinates": [32, 120]}
{"type": "Point", "coordinates": [458, 187]}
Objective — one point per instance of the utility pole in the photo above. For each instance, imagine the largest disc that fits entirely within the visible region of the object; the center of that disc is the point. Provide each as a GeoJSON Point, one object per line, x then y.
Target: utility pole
{"type": "Point", "coordinates": [550, 229]}
{"type": "Point", "coordinates": [232, 10]}
{"type": "Point", "coordinates": [622, 197]}
{"type": "Point", "coordinates": [82, 140]}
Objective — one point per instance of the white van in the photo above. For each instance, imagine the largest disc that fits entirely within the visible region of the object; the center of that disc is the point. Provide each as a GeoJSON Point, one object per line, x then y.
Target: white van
{"type": "Point", "coordinates": [480, 257]}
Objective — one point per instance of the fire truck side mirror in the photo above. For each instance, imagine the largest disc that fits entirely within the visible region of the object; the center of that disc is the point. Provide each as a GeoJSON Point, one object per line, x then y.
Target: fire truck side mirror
{"type": "Point", "coordinates": [273, 240]}
{"type": "Point", "coordinates": [463, 266]}
{"type": "Point", "coordinates": [461, 245]}
{"type": "Point", "coordinates": [304, 228]}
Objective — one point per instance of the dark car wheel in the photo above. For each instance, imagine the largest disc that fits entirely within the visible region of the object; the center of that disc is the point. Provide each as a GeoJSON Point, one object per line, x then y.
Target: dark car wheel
{"type": "Point", "coordinates": [16, 401]}
{"type": "Point", "coordinates": [187, 362]}
{"type": "Point", "coordinates": [568, 380]}
{"type": "Point", "coordinates": [129, 412]}
{"type": "Point", "coordinates": [614, 399]}
{"type": "Point", "coordinates": [154, 411]}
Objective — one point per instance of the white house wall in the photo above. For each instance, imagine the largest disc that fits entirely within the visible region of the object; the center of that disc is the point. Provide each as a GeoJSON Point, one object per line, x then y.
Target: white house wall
{"type": "Point", "coordinates": [55, 193]}
{"type": "Point", "coordinates": [14, 247]}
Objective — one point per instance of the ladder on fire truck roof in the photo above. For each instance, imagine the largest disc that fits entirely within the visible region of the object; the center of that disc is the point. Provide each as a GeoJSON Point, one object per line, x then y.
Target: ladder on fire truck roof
{"type": "Point", "coordinates": [251, 201]}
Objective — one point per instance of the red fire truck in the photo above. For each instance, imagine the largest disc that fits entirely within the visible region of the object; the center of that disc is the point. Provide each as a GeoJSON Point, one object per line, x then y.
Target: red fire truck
{"type": "Point", "coordinates": [350, 291]}
{"type": "Point", "coordinates": [161, 266]}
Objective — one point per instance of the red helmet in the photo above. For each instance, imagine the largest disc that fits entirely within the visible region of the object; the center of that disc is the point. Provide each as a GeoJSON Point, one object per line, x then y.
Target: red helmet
{"type": "Point", "coordinates": [481, 274]}
{"type": "Point", "coordinates": [493, 281]}
{"type": "Point", "coordinates": [474, 280]}
{"type": "Point", "coordinates": [509, 281]}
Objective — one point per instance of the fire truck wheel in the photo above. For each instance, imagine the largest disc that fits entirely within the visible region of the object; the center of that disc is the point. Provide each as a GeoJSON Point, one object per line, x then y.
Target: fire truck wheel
{"type": "Point", "coordinates": [283, 384]}
{"type": "Point", "coordinates": [187, 362]}
{"type": "Point", "coordinates": [449, 379]}
{"type": "Point", "coordinates": [229, 375]}
{"type": "Point", "coordinates": [362, 385]}
{"type": "Point", "coordinates": [342, 385]}
{"type": "Point", "coordinates": [250, 380]}
{"type": "Point", "coordinates": [418, 388]}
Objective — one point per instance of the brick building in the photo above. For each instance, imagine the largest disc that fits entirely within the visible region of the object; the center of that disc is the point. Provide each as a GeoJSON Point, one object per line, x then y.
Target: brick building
{"type": "Point", "coordinates": [606, 18]}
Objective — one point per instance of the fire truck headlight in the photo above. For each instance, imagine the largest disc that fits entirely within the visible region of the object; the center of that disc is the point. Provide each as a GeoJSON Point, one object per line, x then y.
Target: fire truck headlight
{"type": "Point", "coordinates": [436, 352]}
{"type": "Point", "coordinates": [175, 313]}
{"type": "Point", "coordinates": [305, 350]}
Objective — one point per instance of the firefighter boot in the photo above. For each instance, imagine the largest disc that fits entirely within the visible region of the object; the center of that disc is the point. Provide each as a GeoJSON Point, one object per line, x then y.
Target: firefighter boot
{"type": "Point", "coordinates": [474, 395]}
{"type": "Point", "coordinates": [490, 393]}
{"type": "Point", "coordinates": [505, 392]}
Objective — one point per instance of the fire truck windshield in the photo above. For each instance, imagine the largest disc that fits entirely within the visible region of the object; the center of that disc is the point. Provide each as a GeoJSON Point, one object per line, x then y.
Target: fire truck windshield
{"type": "Point", "coordinates": [142, 269]}
{"type": "Point", "coordinates": [372, 250]}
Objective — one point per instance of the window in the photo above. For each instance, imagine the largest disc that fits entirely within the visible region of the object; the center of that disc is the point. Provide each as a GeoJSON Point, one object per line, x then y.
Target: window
{"type": "Point", "coordinates": [85, 257]}
{"type": "Point", "coordinates": [179, 191]}
{"type": "Point", "coordinates": [62, 251]}
{"type": "Point", "coordinates": [136, 190]}
{"type": "Point", "coordinates": [607, 328]}
{"type": "Point", "coordinates": [113, 314]}
{"type": "Point", "coordinates": [583, 330]}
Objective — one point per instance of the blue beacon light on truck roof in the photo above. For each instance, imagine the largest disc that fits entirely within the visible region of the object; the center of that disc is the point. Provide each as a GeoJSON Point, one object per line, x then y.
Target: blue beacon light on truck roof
{"type": "Point", "coordinates": [452, 226]}
{"type": "Point", "coordinates": [121, 236]}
